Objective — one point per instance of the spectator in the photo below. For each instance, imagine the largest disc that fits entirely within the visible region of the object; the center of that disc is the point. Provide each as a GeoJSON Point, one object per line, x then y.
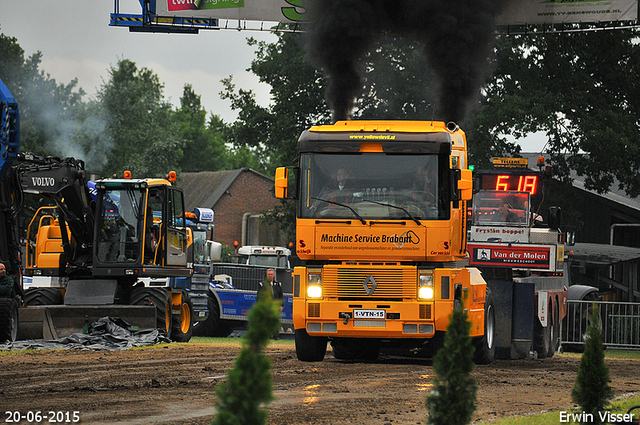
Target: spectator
{"type": "Point", "coordinates": [6, 282]}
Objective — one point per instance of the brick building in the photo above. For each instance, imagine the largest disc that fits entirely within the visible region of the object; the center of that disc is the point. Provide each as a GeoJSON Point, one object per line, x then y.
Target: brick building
{"type": "Point", "coordinates": [237, 197]}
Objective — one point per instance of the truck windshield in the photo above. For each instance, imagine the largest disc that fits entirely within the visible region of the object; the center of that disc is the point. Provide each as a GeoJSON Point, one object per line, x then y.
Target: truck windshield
{"type": "Point", "coordinates": [268, 260]}
{"type": "Point", "coordinates": [374, 186]}
{"type": "Point", "coordinates": [496, 208]}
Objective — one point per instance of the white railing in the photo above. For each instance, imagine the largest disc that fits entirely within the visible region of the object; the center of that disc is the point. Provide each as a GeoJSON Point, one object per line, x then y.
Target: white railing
{"type": "Point", "coordinates": [619, 321]}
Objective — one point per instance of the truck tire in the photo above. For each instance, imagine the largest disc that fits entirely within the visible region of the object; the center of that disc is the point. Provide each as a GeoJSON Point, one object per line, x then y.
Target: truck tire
{"type": "Point", "coordinates": [485, 345]}
{"type": "Point", "coordinates": [182, 324]}
{"type": "Point", "coordinates": [160, 299]}
{"type": "Point", "coordinates": [8, 320]}
{"type": "Point", "coordinates": [355, 349]}
{"type": "Point", "coordinates": [542, 338]}
{"type": "Point", "coordinates": [555, 331]}
{"type": "Point", "coordinates": [43, 296]}
{"type": "Point", "coordinates": [214, 326]}
{"type": "Point", "coordinates": [310, 348]}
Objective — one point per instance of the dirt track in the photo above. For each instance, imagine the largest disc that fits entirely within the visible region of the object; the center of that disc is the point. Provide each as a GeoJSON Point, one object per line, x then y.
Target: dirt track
{"type": "Point", "coordinates": [175, 385]}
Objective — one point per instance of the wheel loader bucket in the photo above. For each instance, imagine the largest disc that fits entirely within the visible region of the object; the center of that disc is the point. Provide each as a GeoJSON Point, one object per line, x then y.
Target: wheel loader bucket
{"type": "Point", "coordinates": [59, 321]}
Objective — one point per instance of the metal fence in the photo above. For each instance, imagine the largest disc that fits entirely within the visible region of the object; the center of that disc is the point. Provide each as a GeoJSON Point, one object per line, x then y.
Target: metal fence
{"type": "Point", "coordinates": [619, 322]}
{"type": "Point", "coordinates": [245, 276]}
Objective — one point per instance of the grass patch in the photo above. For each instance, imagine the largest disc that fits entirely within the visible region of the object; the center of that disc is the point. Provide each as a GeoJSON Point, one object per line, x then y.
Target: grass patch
{"type": "Point", "coordinates": [553, 418]}
{"type": "Point", "coordinates": [233, 342]}
{"type": "Point", "coordinates": [611, 354]}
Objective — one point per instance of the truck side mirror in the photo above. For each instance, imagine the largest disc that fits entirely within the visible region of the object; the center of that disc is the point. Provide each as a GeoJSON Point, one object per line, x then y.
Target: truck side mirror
{"type": "Point", "coordinates": [465, 185]}
{"type": "Point", "coordinates": [286, 182]}
{"type": "Point", "coordinates": [555, 217]}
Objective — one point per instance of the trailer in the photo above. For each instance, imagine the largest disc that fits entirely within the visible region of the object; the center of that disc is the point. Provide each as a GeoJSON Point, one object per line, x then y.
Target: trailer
{"type": "Point", "coordinates": [521, 257]}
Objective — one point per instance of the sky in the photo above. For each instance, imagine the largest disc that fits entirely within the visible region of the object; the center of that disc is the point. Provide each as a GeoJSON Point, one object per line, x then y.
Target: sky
{"type": "Point", "coordinates": [76, 41]}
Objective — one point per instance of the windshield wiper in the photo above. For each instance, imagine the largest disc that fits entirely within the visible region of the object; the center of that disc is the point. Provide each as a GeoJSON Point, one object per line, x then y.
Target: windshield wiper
{"type": "Point", "coordinates": [395, 206]}
{"type": "Point", "coordinates": [362, 220]}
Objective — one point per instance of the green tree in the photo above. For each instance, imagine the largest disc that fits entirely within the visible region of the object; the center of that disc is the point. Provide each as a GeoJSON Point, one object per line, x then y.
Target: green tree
{"type": "Point", "coordinates": [581, 89]}
{"type": "Point", "coordinates": [145, 137]}
{"type": "Point", "coordinates": [271, 133]}
{"type": "Point", "coordinates": [48, 112]}
{"type": "Point", "coordinates": [591, 389]}
{"type": "Point", "coordinates": [453, 397]}
{"type": "Point", "coordinates": [249, 383]}
{"type": "Point", "coordinates": [204, 147]}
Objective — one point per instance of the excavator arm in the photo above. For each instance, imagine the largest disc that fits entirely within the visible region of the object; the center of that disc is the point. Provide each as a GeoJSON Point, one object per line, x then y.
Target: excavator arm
{"type": "Point", "coordinates": [64, 181]}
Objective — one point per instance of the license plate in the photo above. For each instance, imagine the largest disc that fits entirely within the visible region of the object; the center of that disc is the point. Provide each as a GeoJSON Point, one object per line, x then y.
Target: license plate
{"type": "Point", "coordinates": [369, 314]}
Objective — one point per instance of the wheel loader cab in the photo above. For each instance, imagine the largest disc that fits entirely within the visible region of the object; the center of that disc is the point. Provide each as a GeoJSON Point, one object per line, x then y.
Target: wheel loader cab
{"type": "Point", "coordinates": [140, 228]}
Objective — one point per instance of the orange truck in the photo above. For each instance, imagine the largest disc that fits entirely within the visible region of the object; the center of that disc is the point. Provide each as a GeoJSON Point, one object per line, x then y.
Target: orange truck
{"type": "Point", "coordinates": [381, 230]}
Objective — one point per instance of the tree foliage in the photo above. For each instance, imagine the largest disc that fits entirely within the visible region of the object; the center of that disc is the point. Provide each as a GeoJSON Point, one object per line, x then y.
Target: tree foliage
{"type": "Point", "coordinates": [271, 132]}
{"type": "Point", "coordinates": [47, 109]}
{"type": "Point", "coordinates": [249, 383]}
{"type": "Point", "coordinates": [145, 138]}
{"type": "Point", "coordinates": [453, 397]}
{"type": "Point", "coordinates": [581, 89]}
{"type": "Point", "coordinates": [204, 144]}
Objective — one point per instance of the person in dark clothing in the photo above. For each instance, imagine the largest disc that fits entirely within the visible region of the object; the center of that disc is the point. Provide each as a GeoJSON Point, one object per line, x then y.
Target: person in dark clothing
{"type": "Point", "coordinates": [275, 288]}
{"type": "Point", "coordinates": [272, 284]}
{"type": "Point", "coordinates": [506, 215]}
{"type": "Point", "coordinates": [6, 282]}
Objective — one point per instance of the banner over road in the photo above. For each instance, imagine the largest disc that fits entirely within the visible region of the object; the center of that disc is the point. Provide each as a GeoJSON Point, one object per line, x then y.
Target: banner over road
{"type": "Point", "coordinates": [568, 11]}
{"type": "Point", "coordinates": [517, 11]}
{"type": "Point", "coordinates": [249, 10]}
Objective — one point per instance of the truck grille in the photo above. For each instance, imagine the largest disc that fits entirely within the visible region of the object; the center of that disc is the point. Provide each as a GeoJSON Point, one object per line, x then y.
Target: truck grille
{"type": "Point", "coordinates": [425, 311]}
{"type": "Point", "coordinates": [314, 310]}
{"type": "Point", "coordinates": [392, 283]}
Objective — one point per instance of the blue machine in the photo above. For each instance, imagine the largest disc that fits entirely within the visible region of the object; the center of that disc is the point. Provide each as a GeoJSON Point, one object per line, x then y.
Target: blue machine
{"type": "Point", "coordinates": [9, 129]}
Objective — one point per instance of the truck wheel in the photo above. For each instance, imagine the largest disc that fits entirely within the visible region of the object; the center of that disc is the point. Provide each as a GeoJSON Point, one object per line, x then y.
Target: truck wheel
{"type": "Point", "coordinates": [160, 299]}
{"type": "Point", "coordinates": [214, 326]}
{"type": "Point", "coordinates": [355, 349]}
{"type": "Point", "coordinates": [182, 324]}
{"type": "Point", "coordinates": [542, 338]}
{"type": "Point", "coordinates": [310, 348]}
{"type": "Point", "coordinates": [43, 296]}
{"type": "Point", "coordinates": [8, 319]}
{"type": "Point", "coordinates": [555, 332]}
{"type": "Point", "coordinates": [485, 346]}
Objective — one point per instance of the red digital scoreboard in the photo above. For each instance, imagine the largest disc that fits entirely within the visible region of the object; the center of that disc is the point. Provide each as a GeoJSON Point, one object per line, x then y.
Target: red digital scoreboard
{"type": "Point", "coordinates": [513, 181]}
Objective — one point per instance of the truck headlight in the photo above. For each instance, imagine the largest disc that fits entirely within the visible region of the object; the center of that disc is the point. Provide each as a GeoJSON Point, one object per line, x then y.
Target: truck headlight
{"type": "Point", "coordinates": [314, 285]}
{"type": "Point", "coordinates": [425, 287]}
{"type": "Point", "coordinates": [314, 291]}
{"type": "Point", "coordinates": [425, 293]}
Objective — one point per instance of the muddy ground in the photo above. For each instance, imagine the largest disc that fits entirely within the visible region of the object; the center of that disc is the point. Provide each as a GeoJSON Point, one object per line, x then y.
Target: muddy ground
{"type": "Point", "coordinates": [175, 385]}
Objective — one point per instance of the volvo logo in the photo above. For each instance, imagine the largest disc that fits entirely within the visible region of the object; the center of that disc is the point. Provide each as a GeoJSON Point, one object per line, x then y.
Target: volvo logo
{"type": "Point", "coordinates": [369, 289]}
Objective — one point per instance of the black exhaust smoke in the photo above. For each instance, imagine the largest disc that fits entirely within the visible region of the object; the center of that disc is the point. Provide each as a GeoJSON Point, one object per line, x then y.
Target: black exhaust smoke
{"type": "Point", "coordinates": [457, 36]}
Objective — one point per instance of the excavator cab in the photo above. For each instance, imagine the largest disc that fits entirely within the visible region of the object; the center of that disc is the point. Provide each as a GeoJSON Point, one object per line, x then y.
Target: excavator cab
{"type": "Point", "coordinates": [140, 229]}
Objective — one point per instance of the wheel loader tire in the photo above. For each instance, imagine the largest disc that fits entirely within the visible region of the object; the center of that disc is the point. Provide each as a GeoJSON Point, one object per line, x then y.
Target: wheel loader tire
{"type": "Point", "coordinates": [485, 345]}
{"type": "Point", "coordinates": [160, 299]}
{"type": "Point", "coordinates": [43, 296]}
{"type": "Point", "coordinates": [182, 324]}
{"type": "Point", "coordinates": [214, 326]}
{"type": "Point", "coordinates": [8, 320]}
